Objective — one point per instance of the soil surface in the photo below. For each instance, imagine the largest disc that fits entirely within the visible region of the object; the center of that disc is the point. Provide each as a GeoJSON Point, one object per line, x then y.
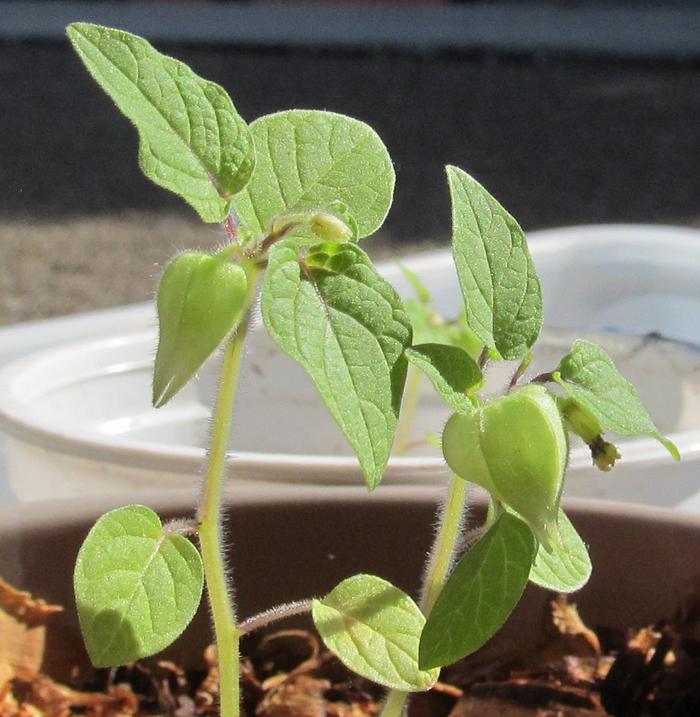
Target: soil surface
{"type": "Point", "coordinates": [572, 672]}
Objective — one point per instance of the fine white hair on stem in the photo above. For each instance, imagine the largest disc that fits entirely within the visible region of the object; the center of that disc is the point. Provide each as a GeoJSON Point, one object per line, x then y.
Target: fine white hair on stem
{"type": "Point", "coordinates": [433, 553]}
{"type": "Point", "coordinates": [181, 526]}
{"type": "Point", "coordinates": [220, 523]}
{"type": "Point", "coordinates": [467, 539]}
{"type": "Point", "coordinates": [299, 607]}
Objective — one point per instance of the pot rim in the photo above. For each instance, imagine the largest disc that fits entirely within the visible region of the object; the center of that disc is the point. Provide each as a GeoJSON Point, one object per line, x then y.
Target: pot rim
{"type": "Point", "coordinates": [325, 468]}
{"type": "Point", "coordinates": [44, 514]}
{"type": "Point", "coordinates": [17, 422]}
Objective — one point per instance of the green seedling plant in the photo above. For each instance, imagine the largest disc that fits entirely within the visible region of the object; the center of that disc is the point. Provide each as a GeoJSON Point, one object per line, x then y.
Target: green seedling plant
{"type": "Point", "coordinates": [295, 193]}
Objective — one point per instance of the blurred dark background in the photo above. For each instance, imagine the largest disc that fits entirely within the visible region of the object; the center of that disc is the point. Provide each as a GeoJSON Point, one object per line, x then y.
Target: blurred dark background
{"type": "Point", "coordinates": [569, 112]}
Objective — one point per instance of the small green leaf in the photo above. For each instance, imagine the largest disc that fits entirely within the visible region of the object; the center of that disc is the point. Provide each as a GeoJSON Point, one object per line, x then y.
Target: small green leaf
{"type": "Point", "coordinates": [466, 339]}
{"type": "Point", "coordinates": [374, 628]}
{"type": "Point", "coordinates": [499, 283]}
{"type": "Point", "coordinates": [312, 160]}
{"type": "Point", "coordinates": [480, 594]}
{"type": "Point", "coordinates": [568, 567]}
{"type": "Point", "coordinates": [419, 287]}
{"type": "Point", "coordinates": [201, 299]}
{"type": "Point", "coordinates": [515, 447]}
{"type": "Point", "coordinates": [192, 140]}
{"type": "Point", "coordinates": [329, 309]}
{"type": "Point", "coordinates": [452, 371]}
{"type": "Point", "coordinates": [428, 326]}
{"type": "Point", "coordinates": [590, 377]}
{"type": "Point", "coordinates": [137, 586]}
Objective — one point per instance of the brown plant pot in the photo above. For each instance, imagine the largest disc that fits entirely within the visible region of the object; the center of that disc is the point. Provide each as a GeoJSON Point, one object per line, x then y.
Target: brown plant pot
{"type": "Point", "coordinates": [292, 543]}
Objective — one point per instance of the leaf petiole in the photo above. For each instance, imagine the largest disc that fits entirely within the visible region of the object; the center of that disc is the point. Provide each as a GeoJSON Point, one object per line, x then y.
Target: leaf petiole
{"type": "Point", "coordinates": [546, 377]}
{"type": "Point", "coordinates": [517, 375]}
{"type": "Point", "coordinates": [410, 404]}
{"type": "Point", "coordinates": [298, 607]}
{"type": "Point", "coordinates": [231, 226]}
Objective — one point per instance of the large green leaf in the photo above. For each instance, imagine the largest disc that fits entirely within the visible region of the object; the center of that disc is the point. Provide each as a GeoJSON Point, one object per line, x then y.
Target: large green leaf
{"type": "Point", "coordinates": [374, 628]}
{"type": "Point", "coordinates": [192, 140]}
{"type": "Point", "coordinates": [137, 586]}
{"type": "Point", "coordinates": [590, 377]}
{"type": "Point", "coordinates": [453, 372]}
{"type": "Point", "coordinates": [201, 299]}
{"type": "Point", "coordinates": [329, 309]}
{"type": "Point", "coordinates": [499, 283]}
{"type": "Point", "coordinates": [311, 160]}
{"type": "Point", "coordinates": [480, 594]}
{"type": "Point", "coordinates": [568, 566]}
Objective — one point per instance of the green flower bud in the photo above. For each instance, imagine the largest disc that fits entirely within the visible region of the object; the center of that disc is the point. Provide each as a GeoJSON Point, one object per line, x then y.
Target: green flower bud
{"type": "Point", "coordinates": [579, 420]}
{"type": "Point", "coordinates": [584, 424]}
{"type": "Point", "coordinates": [201, 299]}
{"type": "Point", "coordinates": [515, 447]}
{"type": "Point", "coordinates": [329, 228]}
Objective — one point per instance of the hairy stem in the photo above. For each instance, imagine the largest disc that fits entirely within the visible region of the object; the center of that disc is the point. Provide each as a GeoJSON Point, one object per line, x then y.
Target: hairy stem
{"type": "Point", "coordinates": [273, 614]}
{"type": "Point", "coordinates": [450, 523]}
{"type": "Point", "coordinates": [210, 520]}
{"type": "Point", "coordinates": [231, 226]}
{"type": "Point", "coordinates": [408, 412]}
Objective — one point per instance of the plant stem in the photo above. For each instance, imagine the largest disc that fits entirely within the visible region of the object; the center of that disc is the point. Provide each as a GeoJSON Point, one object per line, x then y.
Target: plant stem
{"type": "Point", "coordinates": [273, 614]}
{"type": "Point", "coordinates": [450, 523]}
{"type": "Point", "coordinates": [403, 431]}
{"type": "Point", "coordinates": [209, 517]}
{"type": "Point", "coordinates": [545, 377]}
{"type": "Point", "coordinates": [395, 704]}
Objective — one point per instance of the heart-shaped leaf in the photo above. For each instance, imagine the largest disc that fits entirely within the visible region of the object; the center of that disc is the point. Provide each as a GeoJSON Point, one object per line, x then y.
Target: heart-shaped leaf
{"type": "Point", "coordinates": [480, 594]}
{"type": "Point", "coordinates": [192, 140]}
{"type": "Point", "coordinates": [590, 377]}
{"type": "Point", "coordinates": [329, 309]}
{"type": "Point", "coordinates": [568, 566]}
{"type": "Point", "coordinates": [201, 299]}
{"type": "Point", "coordinates": [452, 371]}
{"type": "Point", "coordinates": [501, 290]}
{"type": "Point", "coordinates": [313, 160]}
{"type": "Point", "coordinates": [515, 447]}
{"type": "Point", "coordinates": [374, 628]}
{"type": "Point", "coordinates": [137, 586]}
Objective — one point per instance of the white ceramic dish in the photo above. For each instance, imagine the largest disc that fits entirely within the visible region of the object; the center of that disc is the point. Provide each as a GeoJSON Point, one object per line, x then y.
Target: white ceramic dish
{"type": "Point", "coordinates": [79, 419]}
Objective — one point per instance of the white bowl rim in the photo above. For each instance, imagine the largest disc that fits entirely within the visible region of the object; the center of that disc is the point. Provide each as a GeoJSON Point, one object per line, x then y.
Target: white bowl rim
{"type": "Point", "coordinates": [319, 468]}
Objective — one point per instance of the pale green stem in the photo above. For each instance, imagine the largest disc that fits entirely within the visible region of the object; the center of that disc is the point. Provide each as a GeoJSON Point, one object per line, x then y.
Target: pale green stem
{"type": "Point", "coordinates": [408, 411]}
{"type": "Point", "coordinates": [437, 570]}
{"type": "Point", "coordinates": [209, 518]}
{"type": "Point", "coordinates": [446, 540]}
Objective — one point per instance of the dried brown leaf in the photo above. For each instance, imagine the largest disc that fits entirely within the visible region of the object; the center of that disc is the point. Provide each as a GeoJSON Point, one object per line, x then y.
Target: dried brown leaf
{"type": "Point", "coordinates": [22, 633]}
{"type": "Point", "coordinates": [582, 640]}
{"type": "Point", "coordinates": [207, 693]}
{"type": "Point", "coordinates": [56, 700]}
{"type": "Point", "coordinates": [23, 607]}
{"type": "Point", "coordinates": [300, 697]}
{"type": "Point", "coordinates": [644, 640]}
